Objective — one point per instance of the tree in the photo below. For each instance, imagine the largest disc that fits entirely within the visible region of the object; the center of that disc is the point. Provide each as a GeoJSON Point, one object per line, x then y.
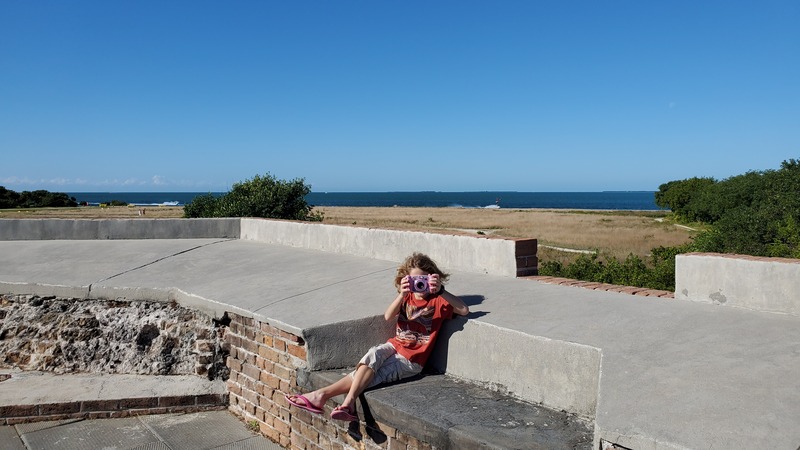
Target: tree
{"type": "Point", "coordinates": [679, 195]}
{"type": "Point", "coordinates": [8, 198]}
{"type": "Point", "coordinates": [35, 199]}
{"type": "Point", "coordinates": [262, 196]}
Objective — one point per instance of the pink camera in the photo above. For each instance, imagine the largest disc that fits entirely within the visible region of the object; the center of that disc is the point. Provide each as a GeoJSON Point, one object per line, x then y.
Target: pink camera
{"type": "Point", "coordinates": [419, 283]}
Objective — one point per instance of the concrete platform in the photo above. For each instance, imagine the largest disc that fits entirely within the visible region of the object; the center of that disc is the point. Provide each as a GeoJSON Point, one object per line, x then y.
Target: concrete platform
{"type": "Point", "coordinates": [104, 395]}
{"type": "Point", "coordinates": [449, 413]}
{"type": "Point", "coordinates": [206, 430]}
{"type": "Point", "coordinates": [673, 374]}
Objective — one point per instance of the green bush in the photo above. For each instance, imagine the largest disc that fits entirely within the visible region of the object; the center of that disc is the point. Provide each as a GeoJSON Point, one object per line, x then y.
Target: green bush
{"type": "Point", "coordinates": [633, 271]}
{"type": "Point", "coordinates": [34, 199]}
{"type": "Point", "coordinates": [8, 198]}
{"type": "Point", "coordinates": [204, 205]}
{"type": "Point", "coordinates": [262, 196]}
{"type": "Point", "coordinates": [757, 213]}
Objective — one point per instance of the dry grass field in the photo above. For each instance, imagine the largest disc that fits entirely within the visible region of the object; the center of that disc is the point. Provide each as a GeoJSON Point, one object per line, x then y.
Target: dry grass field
{"type": "Point", "coordinates": [561, 233]}
{"type": "Point", "coordinates": [94, 212]}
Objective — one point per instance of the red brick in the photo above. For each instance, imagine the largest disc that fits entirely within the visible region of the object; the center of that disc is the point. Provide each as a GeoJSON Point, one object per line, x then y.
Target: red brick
{"type": "Point", "coordinates": [250, 346]}
{"type": "Point", "coordinates": [290, 337]}
{"type": "Point", "coordinates": [19, 411]}
{"type": "Point", "coordinates": [270, 380]}
{"type": "Point", "coordinates": [298, 351]}
{"type": "Point", "coordinates": [279, 344]}
{"type": "Point", "coordinates": [268, 353]}
{"type": "Point", "coordinates": [59, 408]}
{"type": "Point", "coordinates": [100, 405]}
{"type": "Point", "coordinates": [309, 433]}
{"type": "Point", "coordinates": [176, 400]}
{"type": "Point", "coordinates": [251, 371]}
{"type": "Point", "coordinates": [212, 399]}
{"type": "Point", "coordinates": [234, 364]}
{"type": "Point", "coordinates": [526, 247]}
{"type": "Point", "coordinates": [282, 372]}
{"type": "Point", "coordinates": [282, 427]}
{"type": "Point", "coordinates": [233, 339]}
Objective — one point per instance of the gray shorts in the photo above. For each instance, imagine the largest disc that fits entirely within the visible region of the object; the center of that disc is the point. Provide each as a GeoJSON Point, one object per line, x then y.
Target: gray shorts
{"type": "Point", "coordinates": [387, 364]}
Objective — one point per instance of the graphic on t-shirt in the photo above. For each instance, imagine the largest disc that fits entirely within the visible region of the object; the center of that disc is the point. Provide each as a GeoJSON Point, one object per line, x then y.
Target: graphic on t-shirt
{"type": "Point", "coordinates": [414, 325]}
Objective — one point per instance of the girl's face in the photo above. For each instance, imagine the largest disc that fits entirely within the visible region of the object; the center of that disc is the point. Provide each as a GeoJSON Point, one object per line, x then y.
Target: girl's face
{"type": "Point", "coordinates": [414, 272]}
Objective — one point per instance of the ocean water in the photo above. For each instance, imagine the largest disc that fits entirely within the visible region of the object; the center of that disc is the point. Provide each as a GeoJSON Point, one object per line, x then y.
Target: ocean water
{"type": "Point", "coordinates": [614, 200]}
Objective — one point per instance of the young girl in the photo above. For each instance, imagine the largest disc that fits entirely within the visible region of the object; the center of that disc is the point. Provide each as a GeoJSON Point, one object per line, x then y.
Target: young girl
{"type": "Point", "coordinates": [419, 318]}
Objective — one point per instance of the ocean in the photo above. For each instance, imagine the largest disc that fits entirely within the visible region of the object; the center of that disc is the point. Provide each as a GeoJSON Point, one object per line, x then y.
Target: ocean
{"type": "Point", "coordinates": [614, 200]}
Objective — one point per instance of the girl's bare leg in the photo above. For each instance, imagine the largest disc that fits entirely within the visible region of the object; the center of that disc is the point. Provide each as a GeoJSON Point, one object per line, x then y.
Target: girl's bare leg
{"type": "Point", "coordinates": [361, 380]}
{"type": "Point", "coordinates": [352, 386]}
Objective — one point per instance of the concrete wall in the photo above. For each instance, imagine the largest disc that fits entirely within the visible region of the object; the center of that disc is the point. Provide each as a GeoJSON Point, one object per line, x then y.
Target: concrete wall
{"type": "Point", "coordinates": [81, 229]}
{"type": "Point", "coordinates": [343, 344]}
{"type": "Point", "coordinates": [505, 257]}
{"type": "Point", "coordinates": [558, 374]}
{"type": "Point", "coordinates": [762, 284]}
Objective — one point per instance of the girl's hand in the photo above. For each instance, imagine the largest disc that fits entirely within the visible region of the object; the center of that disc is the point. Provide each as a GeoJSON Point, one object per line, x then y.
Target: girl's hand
{"type": "Point", "coordinates": [433, 283]}
{"type": "Point", "coordinates": [405, 286]}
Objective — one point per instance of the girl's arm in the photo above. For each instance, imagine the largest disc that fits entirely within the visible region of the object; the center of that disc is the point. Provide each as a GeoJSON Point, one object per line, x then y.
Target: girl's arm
{"type": "Point", "coordinates": [394, 308]}
{"type": "Point", "coordinates": [459, 307]}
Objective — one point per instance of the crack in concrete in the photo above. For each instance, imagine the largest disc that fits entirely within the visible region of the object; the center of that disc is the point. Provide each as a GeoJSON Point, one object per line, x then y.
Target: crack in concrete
{"type": "Point", "coordinates": [155, 261]}
{"type": "Point", "coordinates": [322, 287]}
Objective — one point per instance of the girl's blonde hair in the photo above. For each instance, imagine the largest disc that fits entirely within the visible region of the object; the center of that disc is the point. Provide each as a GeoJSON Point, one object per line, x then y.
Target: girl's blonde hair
{"type": "Point", "coordinates": [421, 262]}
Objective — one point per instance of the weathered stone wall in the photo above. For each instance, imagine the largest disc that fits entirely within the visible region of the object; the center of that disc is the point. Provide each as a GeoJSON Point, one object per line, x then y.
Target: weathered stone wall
{"type": "Point", "coordinates": [264, 363]}
{"type": "Point", "coordinates": [65, 335]}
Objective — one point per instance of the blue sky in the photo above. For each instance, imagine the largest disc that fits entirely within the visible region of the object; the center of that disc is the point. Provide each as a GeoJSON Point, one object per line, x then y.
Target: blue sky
{"type": "Point", "coordinates": [395, 96]}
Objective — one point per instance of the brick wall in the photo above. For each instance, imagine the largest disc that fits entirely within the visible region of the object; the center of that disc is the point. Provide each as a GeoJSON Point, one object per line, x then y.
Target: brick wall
{"type": "Point", "coordinates": [263, 364]}
{"type": "Point", "coordinates": [106, 409]}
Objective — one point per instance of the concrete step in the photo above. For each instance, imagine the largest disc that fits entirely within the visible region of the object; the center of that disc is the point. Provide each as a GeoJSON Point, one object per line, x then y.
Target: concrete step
{"type": "Point", "coordinates": [218, 430]}
{"type": "Point", "coordinates": [449, 413]}
{"type": "Point", "coordinates": [37, 396]}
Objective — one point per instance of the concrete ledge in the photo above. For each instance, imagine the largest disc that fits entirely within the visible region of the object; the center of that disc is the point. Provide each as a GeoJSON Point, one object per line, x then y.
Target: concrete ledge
{"type": "Point", "coordinates": [37, 396]}
{"type": "Point", "coordinates": [505, 257]}
{"type": "Point", "coordinates": [558, 374]}
{"type": "Point", "coordinates": [762, 284]}
{"type": "Point", "coordinates": [84, 229]}
{"type": "Point", "coordinates": [463, 415]}
{"type": "Point", "coordinates": [340, 344]}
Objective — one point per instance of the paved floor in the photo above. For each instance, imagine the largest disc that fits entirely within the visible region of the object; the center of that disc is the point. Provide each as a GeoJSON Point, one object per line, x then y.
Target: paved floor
{"type": "Point", "coordinates": [198, 431]}
{"type": "Point", "coordinates": [676, 374]}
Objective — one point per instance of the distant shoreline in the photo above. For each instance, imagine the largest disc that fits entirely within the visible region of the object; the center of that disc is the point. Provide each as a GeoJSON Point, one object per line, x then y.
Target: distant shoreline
{"type": "Point", "coordinates": [599, 201]}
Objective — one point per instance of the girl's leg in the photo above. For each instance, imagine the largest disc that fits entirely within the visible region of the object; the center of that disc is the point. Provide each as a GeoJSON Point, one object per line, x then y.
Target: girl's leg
{"type": "Point", "coordinates": [361, 380]}
{"type": "Point", "coordinates": [320, 396]}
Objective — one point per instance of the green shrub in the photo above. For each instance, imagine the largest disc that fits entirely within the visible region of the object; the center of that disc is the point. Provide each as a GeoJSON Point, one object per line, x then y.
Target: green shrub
{"type": "Point", "coordinates": [757, 214]}
{"type": "Point", "coordinates": [204, 205]}
{"type": "Point", "coordinates": [262, 196]}
{"type": "Point", "coordinates": [632, 271]}
{"type": "Point", "coordinates": [35, 199]}
{"type": "Point", "coordinates": [8, 198]}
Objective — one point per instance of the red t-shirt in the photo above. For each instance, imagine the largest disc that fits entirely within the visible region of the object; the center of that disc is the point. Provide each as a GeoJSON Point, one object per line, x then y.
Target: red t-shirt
{"type": "Point", "coordinates": [418, 324]}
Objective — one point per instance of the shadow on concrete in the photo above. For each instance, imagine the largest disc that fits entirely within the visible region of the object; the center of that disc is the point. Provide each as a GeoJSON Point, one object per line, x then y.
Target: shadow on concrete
{"type": "Point", "coordinates": [437, 363]}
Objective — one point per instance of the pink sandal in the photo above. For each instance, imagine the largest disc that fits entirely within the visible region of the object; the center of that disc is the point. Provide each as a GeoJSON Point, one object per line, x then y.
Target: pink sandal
{"type": "Point", "coordinates": [305, 404]}
{"type": "Point", "coordinates": [343, 413]}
